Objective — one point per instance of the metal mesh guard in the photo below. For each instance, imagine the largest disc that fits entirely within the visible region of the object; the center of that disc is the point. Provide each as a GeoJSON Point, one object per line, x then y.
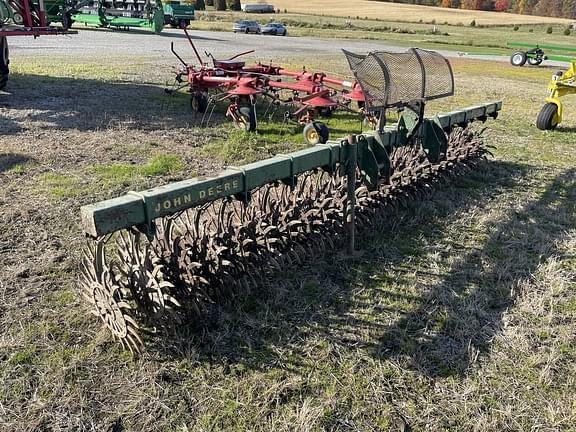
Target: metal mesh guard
{"type": "Point", "coordinates": [394, 79]}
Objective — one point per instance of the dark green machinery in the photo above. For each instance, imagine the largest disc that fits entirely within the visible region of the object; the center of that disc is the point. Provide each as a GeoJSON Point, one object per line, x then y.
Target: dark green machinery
{"type": "Point", "coordinates": [184, 245]}
{"type": "Point", "coordinates": [534, 55]}
{"type": "Point", "coordinates": [121, 14]}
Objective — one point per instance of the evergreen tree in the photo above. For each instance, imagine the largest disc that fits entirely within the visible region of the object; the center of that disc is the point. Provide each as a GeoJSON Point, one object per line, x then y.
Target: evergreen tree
{"type": "Point", "coordinates": [199, 5]}
{"type": "Point", "coordinates": [221, 5]}
{"type": "Point", "coordinates": [234, 5]}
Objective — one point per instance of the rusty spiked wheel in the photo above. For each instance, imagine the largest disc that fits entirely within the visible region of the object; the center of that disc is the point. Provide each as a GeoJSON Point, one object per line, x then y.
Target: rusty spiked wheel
{"type": "Point", "coordinates": [109, 301]}
{"type": "Point", "coordinates": [214, 250]}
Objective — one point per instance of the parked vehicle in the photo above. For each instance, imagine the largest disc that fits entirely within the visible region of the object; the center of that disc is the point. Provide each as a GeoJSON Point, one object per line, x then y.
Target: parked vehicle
{"type": "Point", "coordinates": [178, 13]}
{"type": "Point", "coordinates": [246, 26]}
{"type": "Point", "coordinates": [257, 8]}
{"type": "Point", "coordinates": [274, 29]}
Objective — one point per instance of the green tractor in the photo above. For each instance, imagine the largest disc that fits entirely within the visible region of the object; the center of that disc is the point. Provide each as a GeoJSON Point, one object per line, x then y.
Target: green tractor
{"type": "Point", "coordinates": [561, 84]}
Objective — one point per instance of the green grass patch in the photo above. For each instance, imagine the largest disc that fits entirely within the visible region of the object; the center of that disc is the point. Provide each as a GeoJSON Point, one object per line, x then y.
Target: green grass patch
{"type": "Point", "coordinates": [62, 185]}
{"type": "Point", "coordinates": [478, 39]}
{"type": "Point", "coordinates": [157, 166]}
{"type": "Point", "coordinates": [24, 356]}
{"type": "Point", "coordinates": [73, 185]}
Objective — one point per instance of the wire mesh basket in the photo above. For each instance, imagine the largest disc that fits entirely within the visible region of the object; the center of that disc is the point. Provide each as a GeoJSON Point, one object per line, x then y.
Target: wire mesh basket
{"type": "Point", "coordinates": [395, 79]}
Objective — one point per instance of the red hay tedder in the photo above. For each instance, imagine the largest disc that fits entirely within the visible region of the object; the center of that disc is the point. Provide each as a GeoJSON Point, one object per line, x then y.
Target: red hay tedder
{"type": "Point", "coordinates": [305, 95]}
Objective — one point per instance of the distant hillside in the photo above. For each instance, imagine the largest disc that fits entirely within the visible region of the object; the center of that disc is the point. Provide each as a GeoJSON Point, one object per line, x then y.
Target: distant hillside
{"type": "Point", "coordinates": [412, 12]}
{"type": "Point", "coordinates": [551, 8]}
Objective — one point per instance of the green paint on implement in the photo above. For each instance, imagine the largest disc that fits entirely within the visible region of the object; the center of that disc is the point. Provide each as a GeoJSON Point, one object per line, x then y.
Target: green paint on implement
{"type": "Point", "coordinates": [141, 208]}
{"type": "Point", "coordinates": [543, 46]}
{"type": "Point", "coordinates": [559, 58]}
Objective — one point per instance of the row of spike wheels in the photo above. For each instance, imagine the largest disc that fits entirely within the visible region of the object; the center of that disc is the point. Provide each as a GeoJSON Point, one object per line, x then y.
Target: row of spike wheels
{"type": "Point", "coordinates": [209, 252]}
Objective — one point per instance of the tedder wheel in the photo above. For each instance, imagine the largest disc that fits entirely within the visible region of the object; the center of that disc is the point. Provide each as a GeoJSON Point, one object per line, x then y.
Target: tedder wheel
{"type": "Point", "coordinates": [4, 62]}
{"type": "Point", "coordinates": [325, 112]}
{"type": "Point", "coordinates": [247, 118]}
{"type": "Point", "coordinates": [67, 21]}
{"type": "Point", "coordinates": [316, 133]}
{"type": "Point", "coordinates": [199, 103]}
{"type": "Point", "coordinates": [518, 58]}
{"type": "Point", "coordinates": [547, 117]}
{"type": "Point", "coordinates": [534, 61]}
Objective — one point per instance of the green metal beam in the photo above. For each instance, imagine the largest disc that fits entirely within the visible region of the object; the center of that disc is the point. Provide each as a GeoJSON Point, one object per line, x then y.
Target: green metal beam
{"type": "Point", "coordinates": [543, 46]}
{"type": "Point", "coordinates": [141, 208]}
{"type": "Point", "coordinates": [560, 58]}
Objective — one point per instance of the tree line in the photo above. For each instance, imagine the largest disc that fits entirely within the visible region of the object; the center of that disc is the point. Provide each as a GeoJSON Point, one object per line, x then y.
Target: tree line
{"type": "Point", "coordinates": [219, 4]}
{"type": "Point", "coordinates": [553, 8]}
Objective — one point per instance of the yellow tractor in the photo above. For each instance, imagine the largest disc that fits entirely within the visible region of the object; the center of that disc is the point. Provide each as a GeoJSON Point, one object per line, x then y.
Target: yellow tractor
{"type": "Point", "coordinates": [562, 83]}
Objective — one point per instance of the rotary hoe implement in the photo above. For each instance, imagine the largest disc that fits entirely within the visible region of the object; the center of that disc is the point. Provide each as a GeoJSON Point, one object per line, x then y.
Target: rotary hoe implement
{"type": "Point", "coordinates": [160, 257]}
{"type": "Point", "coordinates": [302, 96]}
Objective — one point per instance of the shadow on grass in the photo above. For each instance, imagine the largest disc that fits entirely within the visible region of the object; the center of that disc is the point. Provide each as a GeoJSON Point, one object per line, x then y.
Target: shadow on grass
{"type": "Point", "coordinates": [461, 314]}
{"type": "Point", "coordinates": [441, 327]}
{"type": "Point", "coordinates": [171, 33]}
{"type": "Point", "coordinates": [7, 125]}
{"type": "Point", "coordinates": [10, 160]}
{"type": "Point", "coordinates": [90, 104]}
{"type": "Point", "coordinates": [566, 129]}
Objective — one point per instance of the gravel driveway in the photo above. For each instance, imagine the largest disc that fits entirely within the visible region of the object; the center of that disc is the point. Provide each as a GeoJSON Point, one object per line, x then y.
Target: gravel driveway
{"type": "Point", "coordinates": [99, 42]}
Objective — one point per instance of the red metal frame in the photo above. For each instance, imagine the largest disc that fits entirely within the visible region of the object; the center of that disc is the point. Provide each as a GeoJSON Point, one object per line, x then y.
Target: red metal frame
{"type": "Point", "coordinates": [313, 91]}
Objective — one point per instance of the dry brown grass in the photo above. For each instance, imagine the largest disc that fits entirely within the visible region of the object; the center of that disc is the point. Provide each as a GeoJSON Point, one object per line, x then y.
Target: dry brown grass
{"type": "Point", "coordinates": [404, 12]}
{"type": "Point", "coordinates": [459, 316]}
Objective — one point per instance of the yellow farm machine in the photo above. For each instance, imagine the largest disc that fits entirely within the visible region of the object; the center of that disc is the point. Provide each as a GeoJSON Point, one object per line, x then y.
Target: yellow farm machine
{"type": "Point", "coordinates": [562, 83]}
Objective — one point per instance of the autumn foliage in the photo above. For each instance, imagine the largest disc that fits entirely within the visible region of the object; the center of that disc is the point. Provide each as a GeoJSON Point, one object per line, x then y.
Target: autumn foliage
{"type": "Point", "coordinates": [554, 8]}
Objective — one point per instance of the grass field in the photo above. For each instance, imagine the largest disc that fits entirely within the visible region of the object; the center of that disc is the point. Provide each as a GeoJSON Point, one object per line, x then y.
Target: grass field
{"type": "Point", "coordinates": [458, 316]}
{"type": "Point", "coordinates": [429, 33]}
{"type": "Point", "coordinates": [404, 12]}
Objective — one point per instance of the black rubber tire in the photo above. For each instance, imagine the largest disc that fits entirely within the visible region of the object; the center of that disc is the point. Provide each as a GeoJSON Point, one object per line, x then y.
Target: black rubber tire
{"type": "Point", "coordinates": [67, 21]}
{"type": "Point", "coordinates": [547, 117]}
{"type": "Point", "coordinates": [4, 62]}
{"type": "Point", "coordinates": [199, 103]}
{"type": "Point", "coordinates": [247, 30]}
{"type": "Point", "coordinates": [534, 61]}
{"type": "Point", "coordinates": [325, 112]}
{"type": "Point", "coordinates": [173, 24]}
{"type": "Point", "coordinates": [183, 23]}
{"type": "Point", "coordinates": [315, 133]}
{"type": "Point", "coordinates": [518, 58]}
{"type": "Point", "coordinates": [248, 115]}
